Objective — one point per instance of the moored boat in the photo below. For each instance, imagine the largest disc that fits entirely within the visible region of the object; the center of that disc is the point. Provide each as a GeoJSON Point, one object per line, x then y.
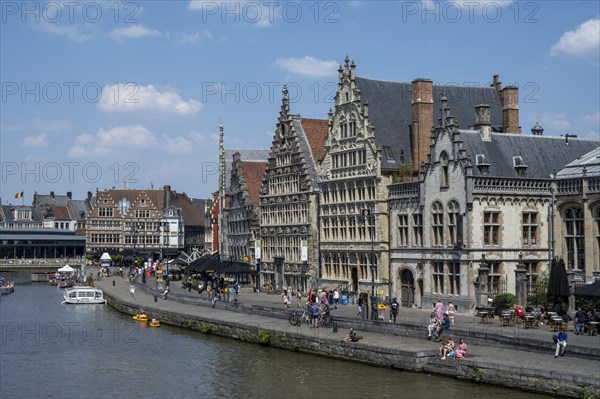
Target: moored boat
{"type": "Point", "coordinates": [6, 287]}
{"type": "Point", "coordinates": [79, 295]}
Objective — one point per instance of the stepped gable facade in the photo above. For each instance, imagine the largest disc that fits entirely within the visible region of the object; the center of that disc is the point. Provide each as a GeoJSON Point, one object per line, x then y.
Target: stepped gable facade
{"type": "Point", "coordinates": [289, 202]}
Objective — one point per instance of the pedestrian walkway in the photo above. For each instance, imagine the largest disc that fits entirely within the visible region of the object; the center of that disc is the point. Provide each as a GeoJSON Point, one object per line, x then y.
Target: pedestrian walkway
{"type": "Point", "coordinates": [520, 362]}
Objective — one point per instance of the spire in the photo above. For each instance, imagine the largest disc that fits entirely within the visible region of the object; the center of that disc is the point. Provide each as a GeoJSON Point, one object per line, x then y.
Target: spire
{"type": "Point", "coordinates": [444, 109]}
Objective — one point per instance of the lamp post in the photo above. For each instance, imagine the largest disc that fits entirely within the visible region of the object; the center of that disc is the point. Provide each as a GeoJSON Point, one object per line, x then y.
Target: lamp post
{"type": "Point", "coordinates": [366, 214]}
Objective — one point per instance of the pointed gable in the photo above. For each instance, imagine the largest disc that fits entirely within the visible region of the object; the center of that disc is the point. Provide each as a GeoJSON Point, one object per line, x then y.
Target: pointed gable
{"type": "Point", "coordinates": [253, 174]}
{"type": "Point", "coordinates": [316, 132]}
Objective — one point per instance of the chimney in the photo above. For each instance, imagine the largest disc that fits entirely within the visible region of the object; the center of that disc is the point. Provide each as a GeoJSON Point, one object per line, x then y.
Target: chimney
{"type": "Point", "coordinates": [510, 110]}
{"type": "Point", "coordinates": [422, 119]}
{"type": "Point", "coordinates": [483, 121]}
{"type": "Point", "coordinates": [497, 84]}
{"type": "Point", "coordinates": [36, 200]}
{"type": "Point", "coordinates": [52, 194]}
{"type": "Point", "coordinates": [69, 195]}
{"type": "Point", "coordinates": [166, 196]}
{"type": "Point", "coordinates": [89, 196]}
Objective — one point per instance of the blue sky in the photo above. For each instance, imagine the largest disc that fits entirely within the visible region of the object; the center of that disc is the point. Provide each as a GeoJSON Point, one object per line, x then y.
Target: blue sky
{"type": "Point", "coordinates": [103, 94]}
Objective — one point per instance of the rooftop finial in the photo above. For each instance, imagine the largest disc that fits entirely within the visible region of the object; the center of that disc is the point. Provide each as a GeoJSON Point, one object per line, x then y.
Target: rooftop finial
{"type": "Point", "coordinates": [347, 61]}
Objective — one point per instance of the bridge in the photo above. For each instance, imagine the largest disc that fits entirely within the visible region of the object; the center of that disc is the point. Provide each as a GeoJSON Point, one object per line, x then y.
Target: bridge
{"type": "Point", "coordinates": [39, 265]}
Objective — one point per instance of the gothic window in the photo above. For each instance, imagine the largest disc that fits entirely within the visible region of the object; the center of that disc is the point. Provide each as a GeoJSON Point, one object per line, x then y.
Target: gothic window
{"type": "Point", "coordinates": [491, 228]}
{"type": "Point", "coordinates": [403, 230]}
{"type": "Point", "coordinates": [417, 225]}
{"type": "Point", "coordinates": [360, 188]}
{"type": "Point", "coordinates": [437, 223]}
{"type": "Point", "coordinates": [574, 237]}
{"type": "Point", "coordinates": [342, 192]}
{"type": "Point", "coordinates": [351, 192]}
{"type": "Point", "coordinates": [438, 277]}
{"type": "Point", "coordinates": [343, 128]}
{"type": "Point", "coordinates": [530, 225]}
{"type": "Point", "coordinates": [352, 126]}
{"type": "Point", "coordinates": [444, 170]}
{"type": "Point", "coordinates": [453, 223]}
{"type": "Point", "coordinates": [362, 231]}
{"type": "Point", "coordinates": [105, 212]}
{"type": "Point", "coordinates": [343, 228]}
{"type": "Point", "coordinates": [454, 278]}
{"type": "Point", "coordinates": [352, 227]}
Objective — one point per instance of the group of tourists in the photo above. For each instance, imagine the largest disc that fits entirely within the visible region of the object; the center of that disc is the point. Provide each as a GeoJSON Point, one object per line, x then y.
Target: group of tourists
{"type": "Point", "coordinates": [440, 320]}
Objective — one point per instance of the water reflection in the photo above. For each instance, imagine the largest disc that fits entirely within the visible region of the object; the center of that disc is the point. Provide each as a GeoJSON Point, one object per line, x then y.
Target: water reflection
{"type": "Point", "coordinates": [71, 351]}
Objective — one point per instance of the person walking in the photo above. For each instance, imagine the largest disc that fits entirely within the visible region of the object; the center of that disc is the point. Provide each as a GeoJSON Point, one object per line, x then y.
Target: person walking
{"type": "Point", "coordinates": [298, 298]}
{"type": "Point", "coordinates": [561, 343]}
{"type": "Point", "coordinates": [360, 308]}
{"type": "Point", "coordinates": [394, 307]}
{"type": "Point", "coordinates": [336, 298]}
{"type": "Point", "coordinates": [439, 310]}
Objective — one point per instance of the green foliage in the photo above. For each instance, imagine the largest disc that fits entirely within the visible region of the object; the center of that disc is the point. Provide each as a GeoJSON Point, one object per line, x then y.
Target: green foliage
{"type": "Point", "coordinates": [403, 174]}
{"type": "Point", "coordinates": [263, 337]}
{"type": "Point", "coordinates": [117, 258]}
{"type": "Point", "coordinates": [585, 393]}
{"type": "Point", "coordinates": [206, 328]}
{"type": "Point", "coordinates": [504, 301]}
{"type": "Point", "coordinates": [477, 374]}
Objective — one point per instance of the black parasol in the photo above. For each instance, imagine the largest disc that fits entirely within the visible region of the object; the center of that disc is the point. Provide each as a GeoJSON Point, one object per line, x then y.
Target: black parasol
{"type": "Point", "coordinates": [558, 285]}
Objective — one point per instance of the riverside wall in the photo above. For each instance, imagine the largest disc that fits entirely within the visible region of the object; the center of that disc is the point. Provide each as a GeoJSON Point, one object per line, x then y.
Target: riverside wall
{"type": "Point", "coordinates": [268, 334]}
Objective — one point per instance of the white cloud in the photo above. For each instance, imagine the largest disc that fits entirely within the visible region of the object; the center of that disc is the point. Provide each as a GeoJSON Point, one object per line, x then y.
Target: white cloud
{"type": "Point", "coordinates": [556, 123]}
{"type": "Point", "coordinates": [593, 119]}
{"type": "Point", "coordinates": [131, 98]}
{"type": "Point", "coordinates": [197, 137]}
{"type": "Point", "coordinates": [308, 66]}
{"type": "Point", "coordinates": [36, 141]}
{"type": "Point", "coordinates": [51, 126]}
{"type": "Point", "coordinates": [70, 31]}
{"type": "Point", "coordinates": [193, 38]}
{"type": "Point", "coordinates": [583, 41]}
{"type": "Point", "coordinates": [133, 32]}
{"type": "Point", "coordinates": [177, 145]}
{"type": "Point", "coordinates": [106, 142]}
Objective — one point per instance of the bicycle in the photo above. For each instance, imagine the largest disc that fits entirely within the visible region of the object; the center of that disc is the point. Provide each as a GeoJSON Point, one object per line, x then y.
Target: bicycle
{"type": "Point", "coordinates": [296, 320]}
{"type": "Point", "coordinates": [325, 321]}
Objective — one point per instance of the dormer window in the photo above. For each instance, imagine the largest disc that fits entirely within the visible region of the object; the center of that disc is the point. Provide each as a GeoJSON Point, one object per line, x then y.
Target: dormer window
{"type": "Point", "coordinates": [23, 214]}
{"type": "Point", "coordinates": [389, 154]}
{"type": "Point", "coordinates": [482, 165]}
{"type": "Point", "coordinates": [520, 166]}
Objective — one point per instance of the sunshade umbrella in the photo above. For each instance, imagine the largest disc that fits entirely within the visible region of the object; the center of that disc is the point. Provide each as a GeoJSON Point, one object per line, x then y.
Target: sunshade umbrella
{"type": "Point", "coordinates": [558, 285]}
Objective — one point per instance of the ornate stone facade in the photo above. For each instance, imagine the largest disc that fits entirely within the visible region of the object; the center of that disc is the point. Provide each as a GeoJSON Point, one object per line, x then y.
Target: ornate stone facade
{"type": "Point", "coordinates": [288, 202]}
{"type": "Point", "coordinates": [483, 199]}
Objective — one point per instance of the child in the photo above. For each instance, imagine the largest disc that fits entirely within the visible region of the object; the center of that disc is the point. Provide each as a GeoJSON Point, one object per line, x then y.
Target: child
{"type": "Point", "coordinates": [433, 321]}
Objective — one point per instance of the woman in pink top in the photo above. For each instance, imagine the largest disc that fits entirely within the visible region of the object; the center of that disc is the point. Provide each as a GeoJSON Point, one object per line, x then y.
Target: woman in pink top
{"type": "Point", "coordinates": [460, 350]}
{"type": "Point", "coordinates": [439, 310]}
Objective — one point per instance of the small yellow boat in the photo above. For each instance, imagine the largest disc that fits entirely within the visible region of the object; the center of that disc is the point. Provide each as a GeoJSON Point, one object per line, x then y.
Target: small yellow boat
{"type": "Point", "coordinates": [155, 324]}
{"type": "Point", "coordinates": [140, 318]}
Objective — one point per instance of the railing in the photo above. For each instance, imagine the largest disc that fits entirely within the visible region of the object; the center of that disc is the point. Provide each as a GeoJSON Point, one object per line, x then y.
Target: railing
{"type": "Point", "coordinates": [510, 186]}
{"type": "Point", "coordinates": [40, 262]}
{"type": "Point", "coordinates": [569, 186]}
{"type": "Point", "coordinates": [404, 190]}
{"type": "Point", "coordinates": [594, 185]}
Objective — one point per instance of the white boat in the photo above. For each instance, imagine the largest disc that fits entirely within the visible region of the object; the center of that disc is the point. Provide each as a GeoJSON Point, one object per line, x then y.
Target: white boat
{"type": "Point", "coordinates": [78, 295]}
{"type": "Point", "coordinates": [6, 287]}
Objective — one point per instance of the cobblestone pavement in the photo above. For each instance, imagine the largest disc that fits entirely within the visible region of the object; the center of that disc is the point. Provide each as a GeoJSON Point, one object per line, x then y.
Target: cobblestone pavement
{"type": "Point", "coordinates": [518, 358]}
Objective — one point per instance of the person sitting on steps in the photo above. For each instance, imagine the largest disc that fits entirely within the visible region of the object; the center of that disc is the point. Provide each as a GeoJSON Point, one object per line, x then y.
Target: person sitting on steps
{"type": "Point", "coordinates": [352, 337]}
{"type": "Point", "coordinates": [444, 325]}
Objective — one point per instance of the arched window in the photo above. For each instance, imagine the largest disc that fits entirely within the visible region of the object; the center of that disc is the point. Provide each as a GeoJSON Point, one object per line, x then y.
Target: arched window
{"type": "Point", "coordinates": [437, 223]}
{"type": "Point", "coordinates": [443, 169]}
{"type": "Point", "coordinates": [575, 238]}
{"type": "Point", "coordinates": [454, 224]}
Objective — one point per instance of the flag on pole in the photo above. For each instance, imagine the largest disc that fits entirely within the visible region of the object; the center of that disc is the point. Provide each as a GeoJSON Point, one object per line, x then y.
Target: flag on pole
{"type": "Point", "coordinates": [19, 195]}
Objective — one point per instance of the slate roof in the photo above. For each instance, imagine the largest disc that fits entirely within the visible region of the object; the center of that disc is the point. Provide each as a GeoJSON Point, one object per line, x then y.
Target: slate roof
{"type": "Point", "coordinates": [7, 213]}
{"type": "Point", "coordinates": [254, 173]}
{"type": "Point", "coordinates": [390, 111]}
{"type": "Point", "coordinates": [245, 155]}
{"type": "Point", "coordinates": [543, 155]}
{"type": "Point", "coordinates": [589, 161]}
{"type": "Point", "coordinates": [191, 215]}
{"type": "Point", "coordinates": [316, 132]}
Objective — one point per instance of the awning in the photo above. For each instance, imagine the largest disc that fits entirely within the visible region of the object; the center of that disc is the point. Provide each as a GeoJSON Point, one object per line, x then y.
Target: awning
{"type": "Point", "coordinates": [66, 269]}
{"type": "Point", "coordinates": [589, 291]}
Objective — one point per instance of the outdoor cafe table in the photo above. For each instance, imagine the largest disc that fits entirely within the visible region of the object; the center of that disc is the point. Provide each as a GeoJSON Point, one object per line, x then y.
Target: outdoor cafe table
{"type": "Point", "coordinates": [529, 321]}
{"type": "Point", "coordinates": [507, 317]}
{"type": "Point", "coordinates": [556, 322]}
{"type": "Point", "coordinates": [593, 327]}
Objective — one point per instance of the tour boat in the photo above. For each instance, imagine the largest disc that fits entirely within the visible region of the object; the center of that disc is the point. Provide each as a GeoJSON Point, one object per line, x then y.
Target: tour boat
{"type": "Point", "coordinates": [78, 295]}
{"type": "Point", "coordinates": [6, 287]}
{"type": "Point", "coordinates": [66, 284]}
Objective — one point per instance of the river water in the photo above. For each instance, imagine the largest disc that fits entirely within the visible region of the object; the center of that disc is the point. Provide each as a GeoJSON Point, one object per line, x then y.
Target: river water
{"type": "Point", "coordinates": [52, 350]}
